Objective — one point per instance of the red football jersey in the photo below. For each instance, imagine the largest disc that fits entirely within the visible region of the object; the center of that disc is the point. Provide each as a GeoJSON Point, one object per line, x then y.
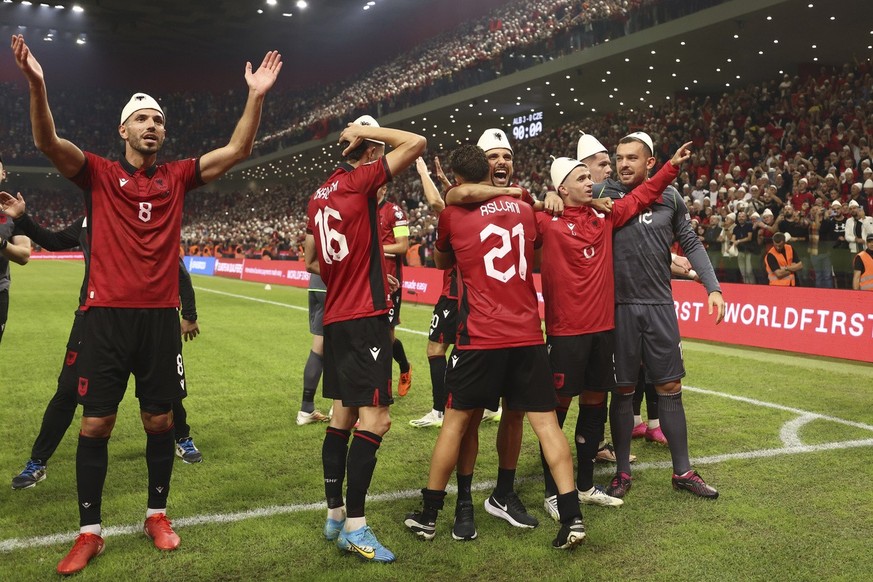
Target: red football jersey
{"type": "Point", "coordinates": [577, 268]}
{"type": "Point", "coordinates": [493, 244]}
{"type": "Point", "coordinates": [344, 220]}
{"type": "Point", "coordinates": [392, 216]}
{"type": "Point", "coordinates": [450, 283]}
{"type": "Point", "coordinates": [134, 224]}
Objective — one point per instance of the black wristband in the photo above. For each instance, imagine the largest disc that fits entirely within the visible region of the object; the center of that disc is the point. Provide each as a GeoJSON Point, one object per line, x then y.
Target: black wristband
{"type": "Point", "coordinates": [3, 243]}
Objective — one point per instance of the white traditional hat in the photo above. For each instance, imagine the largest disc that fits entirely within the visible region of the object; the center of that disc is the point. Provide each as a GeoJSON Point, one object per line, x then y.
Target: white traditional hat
{"type": "Point", "coordinates": [643, 137]}
{"type": "Point", "coordinates": [561, 168]}
{"type": "Point", "coordinates": [588, 146]}
{"type": "Point", "coordinates": [137, 102]}
{"type": "Point", "coordinates": [492, 139]}
{"type": "Point", "coordinates": [370, 121]}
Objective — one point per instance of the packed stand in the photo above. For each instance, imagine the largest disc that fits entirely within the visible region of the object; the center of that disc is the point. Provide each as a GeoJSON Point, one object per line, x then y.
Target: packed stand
{"type": "Point", "coordinates": [521, 34]}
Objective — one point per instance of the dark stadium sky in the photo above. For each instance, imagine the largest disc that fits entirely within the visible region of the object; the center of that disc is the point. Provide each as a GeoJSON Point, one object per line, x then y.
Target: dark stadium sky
{"type": "Point", "coordinates": [167, 44]}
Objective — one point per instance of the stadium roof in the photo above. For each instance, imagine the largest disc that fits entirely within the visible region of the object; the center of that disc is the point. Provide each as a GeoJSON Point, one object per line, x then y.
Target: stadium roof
{"type": "Point", "coordinates": [711, 52]}
{"type": "Point", "coordinates": [715, 50]}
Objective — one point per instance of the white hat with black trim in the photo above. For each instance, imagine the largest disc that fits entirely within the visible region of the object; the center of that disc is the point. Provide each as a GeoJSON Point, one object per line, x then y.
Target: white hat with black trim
{"type": "Point", "coordinates": [370, 121]}
{"type": "Point", "coordinates": [493, 139]}
{"type": "Point", "coordinates": [137, 102]}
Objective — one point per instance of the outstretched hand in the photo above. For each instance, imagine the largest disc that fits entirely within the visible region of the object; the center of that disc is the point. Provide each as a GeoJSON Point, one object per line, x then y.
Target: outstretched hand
{"type": "Point", "coordinates": [26, 61]}
{"type": "Point", "coordinates": [440, 174]}
{"type": "Point", "coordinates": [682, 154]}
{"type": "Point", "coordinates": [262, 80]}
{"type": "Point", "coordinates": [12, 206]}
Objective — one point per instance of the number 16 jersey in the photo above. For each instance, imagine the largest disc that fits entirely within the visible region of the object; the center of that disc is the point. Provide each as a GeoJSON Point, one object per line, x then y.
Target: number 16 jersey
{"type": "Point", "coordinates": [493, 244]}
{"type": "Point", "coordinates": [344, 221]}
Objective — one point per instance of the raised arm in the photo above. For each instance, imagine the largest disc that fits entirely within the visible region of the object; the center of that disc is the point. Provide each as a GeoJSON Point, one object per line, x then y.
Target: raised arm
{"type": "Point", "coordinates": [64, 155]}
{"type": "Point", "coordinates": [406, 146]}
{"type": "Point", "coordinates": [214, 164]}
{"type": "Point", "coordinates": [50, 240]}
{"type": "Point", "coordinates": [471, 193]}
{"type": "Point", "coordinates": [431, 194]}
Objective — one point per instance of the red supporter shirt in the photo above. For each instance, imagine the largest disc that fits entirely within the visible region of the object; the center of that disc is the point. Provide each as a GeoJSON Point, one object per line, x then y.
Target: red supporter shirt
{"type": "Point", "coordinates": [344, 220]}
{"type": "Point", "coordinates": [134, 225]}
{"type": "Point", "coordinates": [577, 269]}
{"type": "Point", "coordinates": [390, 217]}
{"type": "Point", "coordinates": [493, 244]}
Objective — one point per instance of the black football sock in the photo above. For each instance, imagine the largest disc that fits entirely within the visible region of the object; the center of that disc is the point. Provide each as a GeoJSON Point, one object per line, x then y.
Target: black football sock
{"type": "Point", "coordinates": [438, 381]}
{"type": "Point", "coordinates": [651, 402]}
{"type": "Point", "coordinates": [160, 452]}
{"type": "Point", "coordinates": [675, 429]}
{"type": "Point", "coordinates": [400, 356]}
{"type": "Point", "coordinates": [549, 481]}
{"type": "Point", "coordinates": [505, 482]}
{"type": "Point", "coordinates": [432, 502]}
{"type": "Point", "coordinates": [180, 420]}
{"type": "Point", "coordinates": [57, 419]}
{"type": "Point", "coordinates": [311, 375]}
{"type": "Point", "coordinates": [465, 487]}
{"type": "Point", "coordinates": [92, 460]}
{"type": "Point", "coordinates": [621, 423]}
{"type": "Point", "coordinates": [640, 392]}
{"type": "Point", "coordinates": [360, 466]}
{"type": "Point", "coordinates": [589, 427]}
{"type": "Point", "coordinates": [568, 506]}
{"type": "Point", "coordinates": [334, 451]}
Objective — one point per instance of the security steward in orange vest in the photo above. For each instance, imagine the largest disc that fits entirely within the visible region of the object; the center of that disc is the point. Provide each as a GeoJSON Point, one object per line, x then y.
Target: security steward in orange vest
{"type": "Point", "coordinates": [781, 262]}
{"type": "Point", "coordinates": [863, 266]}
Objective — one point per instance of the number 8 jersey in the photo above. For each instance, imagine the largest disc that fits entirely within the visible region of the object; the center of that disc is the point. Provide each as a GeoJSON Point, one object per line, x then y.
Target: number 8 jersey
{"type": "Point", "coordinates": [344, 221]}
{"type": "Point", "coordinates": [493, 244]}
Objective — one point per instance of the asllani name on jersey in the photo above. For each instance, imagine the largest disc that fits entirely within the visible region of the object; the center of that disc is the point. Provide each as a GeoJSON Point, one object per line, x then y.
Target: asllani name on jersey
{"type": "Point", "coordinates": [499, 206]}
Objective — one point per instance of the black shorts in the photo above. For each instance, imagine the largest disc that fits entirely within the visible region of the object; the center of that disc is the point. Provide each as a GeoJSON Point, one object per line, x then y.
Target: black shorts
{"type": "Point", "coordinates": [394, 312]}
{"type": "Point", "coordinates": [118, 342]}
{"type": "Point", "coordinates": [357, 362]}
{"type": "Point", "coordinates": [647, 334]}
{"type": "Point", "coordinates": [68, 379]}
{"type": "Point", "coordinates": [582, 362]}
{"type": "Point", "coordinates": [478, 378]}
{"type": "Point", "coordinates": [316, 312]}
{"type": "Point", "coordinates": [444, 323]}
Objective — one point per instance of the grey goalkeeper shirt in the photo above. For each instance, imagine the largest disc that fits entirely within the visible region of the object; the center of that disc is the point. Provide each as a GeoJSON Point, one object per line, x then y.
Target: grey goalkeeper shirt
{"type": "Point", "coordinates": [641, 248]}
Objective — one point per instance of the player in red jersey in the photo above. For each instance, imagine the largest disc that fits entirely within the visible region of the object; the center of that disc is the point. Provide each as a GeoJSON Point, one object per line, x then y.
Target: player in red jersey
{"type": "Point", "coordinates": [131, 323]}
{"type": "Point", "coordinates": [577, 262]}
{"type": "Point", "coordinates": [499, 350]}
{"type": "Point", "coordinates": [395, 242]}
{"type": "Point", "coordinates": [343, 246]}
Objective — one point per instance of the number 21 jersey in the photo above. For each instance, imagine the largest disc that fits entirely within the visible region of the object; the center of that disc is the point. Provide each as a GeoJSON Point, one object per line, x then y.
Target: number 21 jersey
{"type": "Point", "coordinates": [493, 244]}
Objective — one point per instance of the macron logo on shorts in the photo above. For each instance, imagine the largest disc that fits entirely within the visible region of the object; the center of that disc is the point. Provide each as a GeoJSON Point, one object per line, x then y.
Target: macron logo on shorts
{"type": "Point", "coordinates": [454, 361]}
{"type": "Point", "coordinates": [375, 353]}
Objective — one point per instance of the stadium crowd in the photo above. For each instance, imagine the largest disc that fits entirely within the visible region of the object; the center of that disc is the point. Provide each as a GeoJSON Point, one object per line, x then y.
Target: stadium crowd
{"type": "Point", "coordinates": [521, 34]}
{"type": "Point", "coordinates": [790, 154]}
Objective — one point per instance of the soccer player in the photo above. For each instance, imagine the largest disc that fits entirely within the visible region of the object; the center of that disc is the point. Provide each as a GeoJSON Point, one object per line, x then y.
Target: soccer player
{"type": "Point", "coordinates": [645, 321]}
{"type": "Point", "coordinates": [343, 246]}
{"type": "Point", "coordinates": [131, 324]}
{"type": "Point", "coordinates": [499, 348]}
{"type": "Point", "coordinates": [444, 323]}
{"type": "Point", "coordinates": [577, 263]}
{"type": "Point", "coordinates": [315, 362]}
{"type": "Point", "coordinates": [395, 241]}
{"type": "Point", "coordinates": [14, 247]}
{"type": "Point", "coordinates": [59, 411]}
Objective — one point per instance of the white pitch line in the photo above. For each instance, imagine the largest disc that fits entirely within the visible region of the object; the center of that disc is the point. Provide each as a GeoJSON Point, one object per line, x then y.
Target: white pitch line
{"type": "Point", "coordinates": [793, 448]}
{"type": "Point", "coordinates": [288, 305]}
{"type": "Point", "coordinates": [790, 432]}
